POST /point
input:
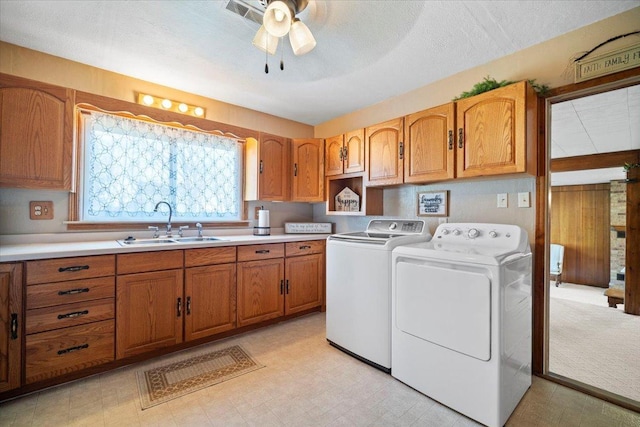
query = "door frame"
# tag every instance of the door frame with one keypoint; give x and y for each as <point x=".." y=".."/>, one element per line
<point x="540" y="333"/>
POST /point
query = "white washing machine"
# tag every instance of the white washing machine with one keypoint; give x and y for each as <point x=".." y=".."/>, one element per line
<point x="461" y="312"/>
<point x="359" y="287"/>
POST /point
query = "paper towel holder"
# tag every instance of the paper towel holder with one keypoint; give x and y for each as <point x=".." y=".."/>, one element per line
<point x="261" y="231"/>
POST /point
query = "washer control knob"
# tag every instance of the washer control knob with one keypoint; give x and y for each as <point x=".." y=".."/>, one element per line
<point x="493" y="234"/>
<point x="473" y="233"/>
<point x="393" y="226"/>
<point x="456" y="232"/>
<point x="445" y="231"/>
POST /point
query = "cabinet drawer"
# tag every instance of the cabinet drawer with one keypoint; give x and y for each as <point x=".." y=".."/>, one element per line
<point x="54" y="353"/>
<point x="48" y="295"/>
<point x="209" y="256"/>
<point x="149" y="261"/>
<point x="62" y="316"/>
<point x="258" y="252"/>
<point x="59" y="270"/>
<point x="304" y="248"/>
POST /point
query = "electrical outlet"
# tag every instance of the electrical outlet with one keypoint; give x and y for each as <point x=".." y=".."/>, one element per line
<point x="503" y="200"/>
<point x="40" y="210"/>
<point x="523" y="200"/>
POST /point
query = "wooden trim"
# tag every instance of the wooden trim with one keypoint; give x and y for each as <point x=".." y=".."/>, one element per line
<point x="598" y="85"/>
<point x="595" y="161"/>
<point x="539" y="291"/>
<point x="106" y="104"/>
<point x="85" y="226"/>
<point x="632" y="255"/>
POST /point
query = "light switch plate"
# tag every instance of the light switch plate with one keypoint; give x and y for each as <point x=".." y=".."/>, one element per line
<point x="523" y="200"/>
<point x="40" y="210"/>
<point x="503" y="200"/>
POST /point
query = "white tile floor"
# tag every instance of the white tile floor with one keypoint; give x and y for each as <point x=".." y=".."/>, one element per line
<point x="306" y="382"/>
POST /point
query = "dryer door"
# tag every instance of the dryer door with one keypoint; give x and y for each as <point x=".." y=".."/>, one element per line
<point x="447" y="305"/>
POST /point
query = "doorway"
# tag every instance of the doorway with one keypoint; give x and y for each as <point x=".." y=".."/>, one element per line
<point x="591" y="344"/>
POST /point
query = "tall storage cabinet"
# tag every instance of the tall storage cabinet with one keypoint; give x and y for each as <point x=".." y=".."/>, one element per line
<point x="11" y="325"/>
<point x="36" y="134"/>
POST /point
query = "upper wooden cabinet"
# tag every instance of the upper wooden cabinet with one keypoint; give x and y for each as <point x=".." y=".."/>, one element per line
<point x="345" y="153"/>
<point x="495" y="130"/>
<point x="308" y="166"/>
<point x="429" y="152"/>
<point x="385" y="153"/>
<point x="266" y="168"/>
<point x="36" y="134"/>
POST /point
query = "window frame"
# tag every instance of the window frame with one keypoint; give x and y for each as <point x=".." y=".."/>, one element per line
<point x="90" y="102"/>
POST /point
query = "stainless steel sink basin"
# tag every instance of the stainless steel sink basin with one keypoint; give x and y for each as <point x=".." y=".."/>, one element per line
<point x="196" y="239"/>
<point x="134" y="242"/>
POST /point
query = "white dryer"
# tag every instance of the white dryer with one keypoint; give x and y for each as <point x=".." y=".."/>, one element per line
<point x="461" y="313"/>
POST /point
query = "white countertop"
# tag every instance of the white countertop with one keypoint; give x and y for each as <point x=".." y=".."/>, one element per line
<point x="31" y="250"/>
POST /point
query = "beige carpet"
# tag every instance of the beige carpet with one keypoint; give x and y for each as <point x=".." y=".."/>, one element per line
<point x="194" y="371"/>
<point x="596" y="345"/>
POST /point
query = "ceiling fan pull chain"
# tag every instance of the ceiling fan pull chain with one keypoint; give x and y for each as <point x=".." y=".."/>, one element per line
<point x="281" y="55"/>
<point x="266" y="57"/>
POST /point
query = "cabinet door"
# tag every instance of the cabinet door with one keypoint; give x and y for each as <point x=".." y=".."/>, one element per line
<point x="333" y="155"/>
<point x="303" y="284"/>
<point x="149" y="311"/>
<point x="10" y="325"/>
<point x="210" y="300"/>
<point x="260" y="290"/>
<point x="36" y="142"/>
<point x="274" y="161"/>
<point x="429" y="149"/>
<point x="492" y="132"/>
<point x="385" y="153"/>
<point x="308" y="170"/>
<point x="353" y="151"/>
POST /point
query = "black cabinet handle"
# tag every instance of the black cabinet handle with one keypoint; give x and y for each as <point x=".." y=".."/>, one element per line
<point x="14" y="326"/>
<point x="261" y="167"/>
<point x="73" y="291"/>
<point x="73" y="268"/>
<point x="281" y="287"/>
<point x="401" y="150"/>
<point x="450" y="139"/>
<point x="179" y="307"/>
<point x="72" y="349"/>
<point x="341" y="155"/>
<point x="304" y="247"/>
<point x="263" y="251"/>
<point x="295" y="169"/>
<point x="460" y="138"/>
<point x="287" y="286"/>
<point x="188" y="306"/>
<point x="345" y="153"/>
<point x="73" y="314"/>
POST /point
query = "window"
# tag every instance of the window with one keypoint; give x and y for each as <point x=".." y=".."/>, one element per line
<point x="130" y="165"/>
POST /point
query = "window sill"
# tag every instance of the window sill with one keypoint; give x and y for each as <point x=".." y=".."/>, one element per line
<point x="98" y="226"/>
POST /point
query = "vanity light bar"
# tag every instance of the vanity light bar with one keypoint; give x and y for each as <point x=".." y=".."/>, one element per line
<point x="170" y="105"/>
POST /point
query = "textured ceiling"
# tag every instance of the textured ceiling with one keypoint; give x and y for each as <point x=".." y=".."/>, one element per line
<point x="367" y="51"/>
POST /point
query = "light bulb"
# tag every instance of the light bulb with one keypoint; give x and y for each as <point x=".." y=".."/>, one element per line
<point x="166" y="103"/>
<point x="183" y="108"/>
<point x="279" y="15"/>
<point x="147" y="99"/>
<point x="198" y="111"/>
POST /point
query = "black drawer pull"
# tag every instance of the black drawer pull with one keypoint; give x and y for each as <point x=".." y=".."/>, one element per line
<point x="281" y="287"/>
<point x="14" y="326"/>
<point x="188" y="305"/>
<point x="304" y="247"/>
<point x="72" y="349"/>
<point x="73" y="291"/>
<point x="263" y="251"/>
<point x="73" y="314"/>
<point x="73" y="268"/>
<point x="179" y="307"/>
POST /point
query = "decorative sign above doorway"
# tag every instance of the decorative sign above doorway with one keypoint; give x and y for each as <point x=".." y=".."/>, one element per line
<point x="609" y="63"/>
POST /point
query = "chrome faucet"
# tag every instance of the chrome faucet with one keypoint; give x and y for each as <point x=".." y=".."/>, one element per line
<point x="170" y="213"/>
<point x="199" y="227"/>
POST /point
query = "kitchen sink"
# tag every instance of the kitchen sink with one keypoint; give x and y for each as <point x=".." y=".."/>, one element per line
<point x="196" y="239"/>
<point x="134" y="242"/>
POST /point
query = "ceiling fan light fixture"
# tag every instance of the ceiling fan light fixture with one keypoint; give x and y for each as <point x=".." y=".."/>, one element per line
<point x="278" y="17"/>
<point x="265" y="41"/>
<point x="302" y="41"/>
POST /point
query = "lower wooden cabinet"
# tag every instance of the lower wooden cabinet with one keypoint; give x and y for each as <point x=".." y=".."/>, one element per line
<point x="149" y="309"/>
<point x="303" y="283"/>
<point x="260" y="290"/>
<point x="10" y="325"/>
<point x="210" y="300"/>
<point x="60" y="351"/>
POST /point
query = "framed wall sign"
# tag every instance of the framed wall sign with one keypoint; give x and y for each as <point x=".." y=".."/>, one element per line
<point x="433" y="203"/>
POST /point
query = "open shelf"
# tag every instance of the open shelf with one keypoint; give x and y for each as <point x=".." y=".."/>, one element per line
<point x="370" y="197"/>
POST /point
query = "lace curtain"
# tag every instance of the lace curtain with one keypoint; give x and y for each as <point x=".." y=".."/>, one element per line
<point x="130" y="165"/>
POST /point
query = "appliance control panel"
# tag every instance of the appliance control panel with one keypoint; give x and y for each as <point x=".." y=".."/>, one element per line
<point x="397" y="226"/>
<point x="495" y="235"/>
